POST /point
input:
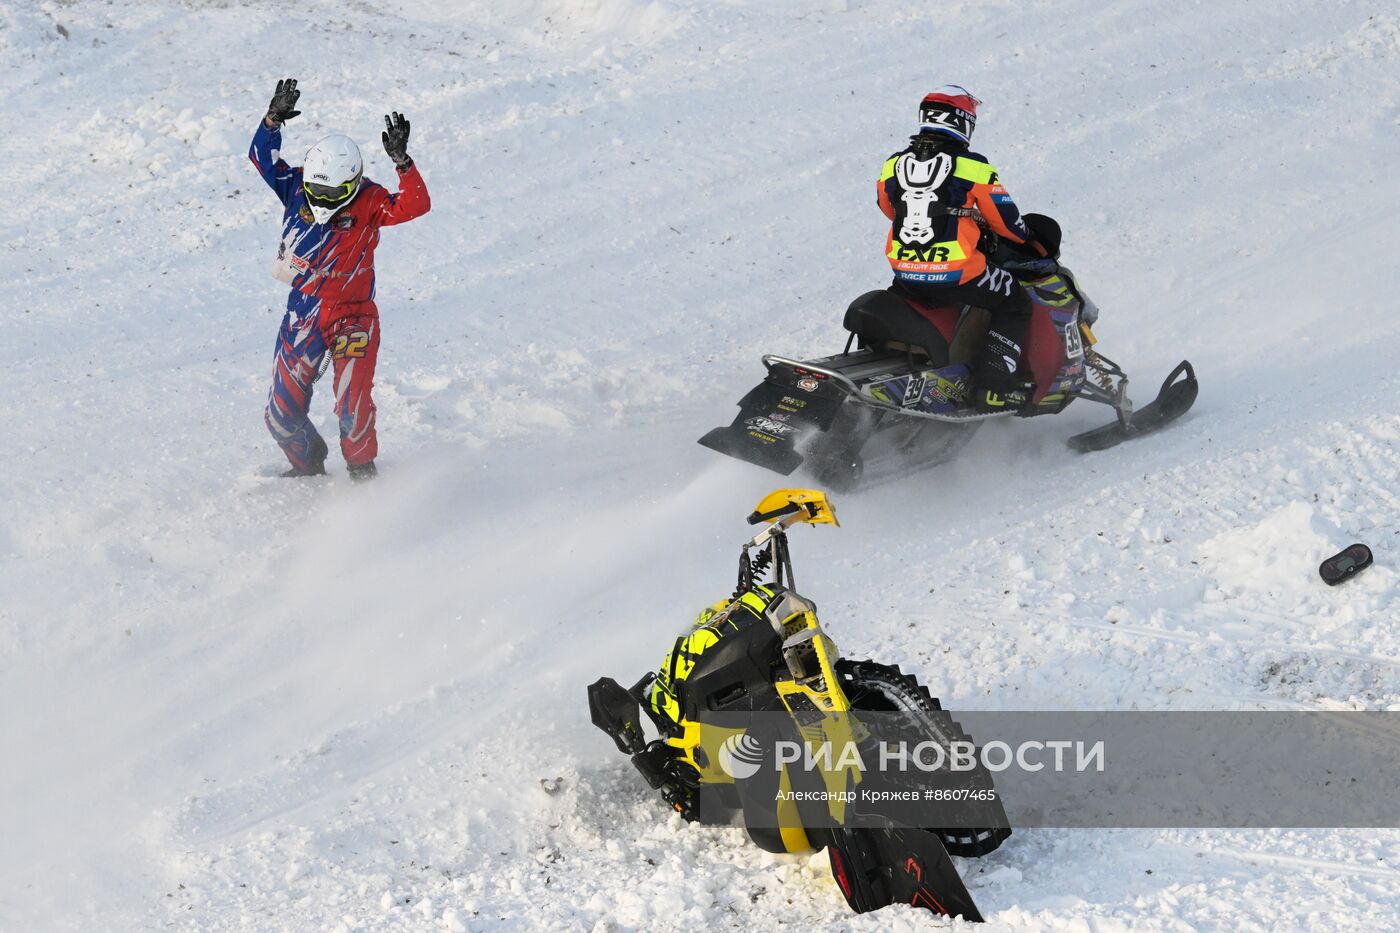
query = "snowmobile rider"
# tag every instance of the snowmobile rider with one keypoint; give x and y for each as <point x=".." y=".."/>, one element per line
<point x="330" y="226"/>
<point x="937" y="194"/>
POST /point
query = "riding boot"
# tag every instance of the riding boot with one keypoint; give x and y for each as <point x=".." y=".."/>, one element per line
<point x="998" y="386"/>
<point x="315" y="461"/>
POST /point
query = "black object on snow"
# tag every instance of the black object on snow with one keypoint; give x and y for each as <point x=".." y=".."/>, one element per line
<point x="1342" y="567"/>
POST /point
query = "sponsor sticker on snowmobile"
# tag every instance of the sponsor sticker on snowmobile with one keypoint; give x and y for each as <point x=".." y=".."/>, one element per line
<point x="947" y="391"/>
<point x="807" y="384"/>
<point x="1074" y="344"/>
<point x="915" y="392"/>
<point x="771" y="424"/>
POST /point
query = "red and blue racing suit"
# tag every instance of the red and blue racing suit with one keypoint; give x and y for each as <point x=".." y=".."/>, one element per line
<point x="331" y="306"/>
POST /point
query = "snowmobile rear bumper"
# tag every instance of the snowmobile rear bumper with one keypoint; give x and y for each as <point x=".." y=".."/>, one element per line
<point x="781" y="414"/>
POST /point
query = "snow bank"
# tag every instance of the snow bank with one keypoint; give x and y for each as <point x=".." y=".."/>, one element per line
<point x="1275" y="558"/>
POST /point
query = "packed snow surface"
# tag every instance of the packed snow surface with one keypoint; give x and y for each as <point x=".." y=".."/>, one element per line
<point x="229" y="702"/>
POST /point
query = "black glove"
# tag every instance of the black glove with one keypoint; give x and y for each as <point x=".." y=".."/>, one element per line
<point x="283" y="100"/>
<point x="395" y="138"/>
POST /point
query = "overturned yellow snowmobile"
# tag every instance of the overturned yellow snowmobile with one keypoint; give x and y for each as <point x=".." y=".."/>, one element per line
<point x="758" y="665"/>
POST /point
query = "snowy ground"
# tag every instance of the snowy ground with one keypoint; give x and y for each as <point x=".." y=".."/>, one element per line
<point x="233" y="703"/>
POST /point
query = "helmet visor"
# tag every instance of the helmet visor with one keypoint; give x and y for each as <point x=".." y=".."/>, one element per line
<point x="330" y="195"/>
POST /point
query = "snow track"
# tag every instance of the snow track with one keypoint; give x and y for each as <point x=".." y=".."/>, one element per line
<point x="233" y="703"/>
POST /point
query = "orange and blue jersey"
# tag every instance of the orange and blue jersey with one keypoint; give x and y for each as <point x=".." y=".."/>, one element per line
<point x="331" y="263"/>
<point x="936" y="198"/>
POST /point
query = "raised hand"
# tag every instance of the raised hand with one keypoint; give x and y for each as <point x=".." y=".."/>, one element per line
<point x="284" y="99"/>
<point x="395" y="138"/>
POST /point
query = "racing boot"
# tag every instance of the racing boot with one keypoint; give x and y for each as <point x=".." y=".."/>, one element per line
<point x="997" y="386"/>
<point x="362" y="472"/>
<point x="315" y="461"/>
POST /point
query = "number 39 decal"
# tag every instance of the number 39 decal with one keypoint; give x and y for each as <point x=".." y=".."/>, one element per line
<point x="1074" y="344"/>
<point x="350" y="346"/>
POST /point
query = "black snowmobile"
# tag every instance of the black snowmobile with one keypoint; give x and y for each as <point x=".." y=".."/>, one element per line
<point x="763" y="653"/>
<point x="896" y="399"/>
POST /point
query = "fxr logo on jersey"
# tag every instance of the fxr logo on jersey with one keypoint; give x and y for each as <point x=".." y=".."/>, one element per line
<point x="923" y="254"/>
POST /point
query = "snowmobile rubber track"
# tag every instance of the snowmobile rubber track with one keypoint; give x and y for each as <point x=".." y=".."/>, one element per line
<point x="905" y="693"/>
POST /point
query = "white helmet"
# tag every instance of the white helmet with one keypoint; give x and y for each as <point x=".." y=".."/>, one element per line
<point x="331" y="176"/>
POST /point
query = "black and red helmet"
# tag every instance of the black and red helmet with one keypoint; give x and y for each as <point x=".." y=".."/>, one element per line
<point x="952" y="110"/>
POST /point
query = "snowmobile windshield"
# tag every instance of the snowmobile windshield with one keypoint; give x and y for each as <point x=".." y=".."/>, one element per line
<point x="330" y="195"/>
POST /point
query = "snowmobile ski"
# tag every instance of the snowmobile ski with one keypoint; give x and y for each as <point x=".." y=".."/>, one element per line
<point x="879" y="867"/>
<point x="1173" y="400"/>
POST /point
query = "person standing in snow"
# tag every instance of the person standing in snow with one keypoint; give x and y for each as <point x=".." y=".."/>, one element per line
<point x="937" y="195"/>
<point x="330" y="226"/>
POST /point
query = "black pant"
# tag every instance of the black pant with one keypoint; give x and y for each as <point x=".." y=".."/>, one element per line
<point x="996" y="364"/>
<point x="996" y="290"/>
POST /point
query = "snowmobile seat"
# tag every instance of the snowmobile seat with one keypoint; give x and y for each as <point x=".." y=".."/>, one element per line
<point x="885" y="321"/>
